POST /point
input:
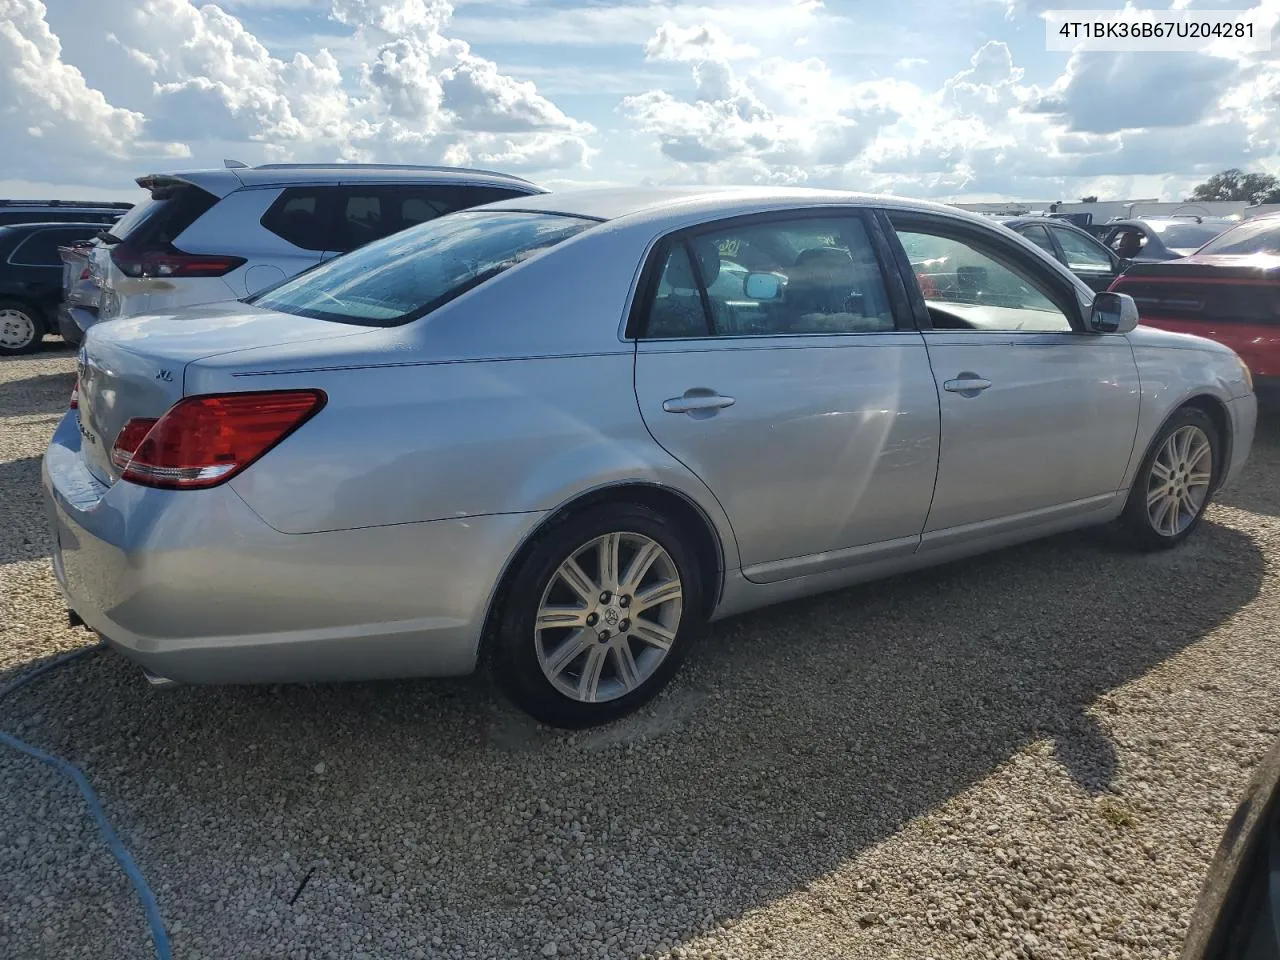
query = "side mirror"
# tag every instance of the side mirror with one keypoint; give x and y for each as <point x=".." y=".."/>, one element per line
<point x="1112" y="313"/>
<point x="762" y="286"/>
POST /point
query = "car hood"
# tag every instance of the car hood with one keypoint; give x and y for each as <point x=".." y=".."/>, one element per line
<point x="211" y="330"/>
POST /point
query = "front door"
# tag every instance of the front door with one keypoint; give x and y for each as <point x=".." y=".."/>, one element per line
<point x="1087" y="258"/>
<point x="772" y="362"/>
<point x="1038" y="417"/>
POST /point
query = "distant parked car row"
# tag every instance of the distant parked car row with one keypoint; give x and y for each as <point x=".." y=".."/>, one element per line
<point x="32" y="233"/>
<point x="1227" y="288"/>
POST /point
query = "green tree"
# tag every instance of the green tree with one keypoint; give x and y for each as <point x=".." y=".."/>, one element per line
<point x="1089" y="199"/>
<point x="1235" y="184"/>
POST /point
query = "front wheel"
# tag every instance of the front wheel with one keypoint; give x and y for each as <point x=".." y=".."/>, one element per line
<point x="1171" y="490"/>
<point x="598" y="616"/>
<point x="21" y="328"/>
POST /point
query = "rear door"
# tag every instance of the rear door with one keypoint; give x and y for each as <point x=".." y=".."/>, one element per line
<point x="776" y="361"/>
<point x="1038" y="417"/>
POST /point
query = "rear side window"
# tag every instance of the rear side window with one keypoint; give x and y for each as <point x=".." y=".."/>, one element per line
<point x="41" y="248"/>
<point x="154" y="224"/>
<point x="370" y="213"/>
<point x="405" y="276"/>
<point x="300" y="216"/>
<point x="810" y="275"/>
<point x="1185" y="236"/>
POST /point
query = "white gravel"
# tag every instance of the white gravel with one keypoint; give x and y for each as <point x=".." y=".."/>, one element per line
<point x="1030" y="755"/>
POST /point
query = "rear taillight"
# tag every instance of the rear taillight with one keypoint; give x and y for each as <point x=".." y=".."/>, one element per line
<point x="205" y="441"/>
<point x="172" y="263"/>
<point x="75" y="397"/>
<point x="84" y="274"/>
<point x="134" y="432"/>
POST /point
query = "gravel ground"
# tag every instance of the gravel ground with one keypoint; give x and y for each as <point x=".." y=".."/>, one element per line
<point x="1028" y="755"/>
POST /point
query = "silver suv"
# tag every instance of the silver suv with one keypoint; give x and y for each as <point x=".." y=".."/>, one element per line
<point x="213" y="235"/>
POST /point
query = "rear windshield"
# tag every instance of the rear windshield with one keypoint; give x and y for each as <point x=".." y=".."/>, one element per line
<point x="155" y="223"/>
<point x="1185" y="236"/>
<point x="1262" y="236"/>
<point x="408" y="274"/>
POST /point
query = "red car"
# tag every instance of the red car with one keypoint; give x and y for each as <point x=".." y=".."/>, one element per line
<point x="1228" y="290"/>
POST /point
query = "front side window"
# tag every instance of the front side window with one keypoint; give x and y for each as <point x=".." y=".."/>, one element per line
<point x="968" y="285"/>
<point x="811" y="275"/>
<point x="1082" y="253"/>
<point x="407" y="275"/>
<point x="1040" y="237"/>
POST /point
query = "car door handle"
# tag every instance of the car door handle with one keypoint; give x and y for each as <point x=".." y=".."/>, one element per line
<point x="969" y="384"/>
<point x="695" y="401"/>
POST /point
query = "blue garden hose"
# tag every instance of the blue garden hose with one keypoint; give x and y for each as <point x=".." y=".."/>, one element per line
<point x="158" y="935"/>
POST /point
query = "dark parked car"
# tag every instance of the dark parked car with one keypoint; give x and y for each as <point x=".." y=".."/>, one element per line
<point x="1238" y="914"/>
<point x="59" y="211"/>
<point x="1082" y="253"/>
<point x="1162" y="238"/>
<point x="1229" y="291"/>
<point x="31" y="280"/>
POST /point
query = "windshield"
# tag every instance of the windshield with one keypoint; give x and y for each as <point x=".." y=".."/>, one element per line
<point x="1185" y="236"/>
<point x="1261" y="236"/>
<point x="409" y="274"/>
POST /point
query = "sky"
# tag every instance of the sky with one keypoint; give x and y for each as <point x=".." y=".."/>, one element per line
<point x="956" y="101"/>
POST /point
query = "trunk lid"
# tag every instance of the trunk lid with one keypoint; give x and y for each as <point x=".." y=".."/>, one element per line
<point x="1205" y="289"/>
<point x="136" y="367"/>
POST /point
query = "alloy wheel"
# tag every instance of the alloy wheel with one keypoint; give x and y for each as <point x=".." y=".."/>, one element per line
<point x="608" y="617"/>
<point x="1178" y="483"/>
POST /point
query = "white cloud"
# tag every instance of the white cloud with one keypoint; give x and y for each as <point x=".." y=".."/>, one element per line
<point x="1172" y="116"/>
<point x="421" y="95"/>
<point x="39" y="92"/>
<point x="692" y="44"/>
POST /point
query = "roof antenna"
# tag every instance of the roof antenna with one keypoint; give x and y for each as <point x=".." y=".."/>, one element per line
<point x="234" y="164"/>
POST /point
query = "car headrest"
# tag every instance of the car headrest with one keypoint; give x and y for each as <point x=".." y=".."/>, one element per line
<point x="822" y="263"/>
<point x="680" y="275"/>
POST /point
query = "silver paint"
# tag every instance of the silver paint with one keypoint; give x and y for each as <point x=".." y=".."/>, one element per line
<point x="372" y="542"/>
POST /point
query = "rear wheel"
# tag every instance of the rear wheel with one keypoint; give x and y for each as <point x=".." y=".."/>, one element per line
<point x="1172" y="488"/>
<point x="598" y="616"/>
<point x="21" y="328"/>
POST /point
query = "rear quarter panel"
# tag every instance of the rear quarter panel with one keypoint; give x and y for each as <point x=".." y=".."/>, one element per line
<point x="516" y="397"/>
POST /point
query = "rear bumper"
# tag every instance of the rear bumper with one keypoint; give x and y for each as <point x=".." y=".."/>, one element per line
<point x="73" y="321"/>
<point x="194" y="586"/>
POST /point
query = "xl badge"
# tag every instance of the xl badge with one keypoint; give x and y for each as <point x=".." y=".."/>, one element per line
<point x="164" y="375"/>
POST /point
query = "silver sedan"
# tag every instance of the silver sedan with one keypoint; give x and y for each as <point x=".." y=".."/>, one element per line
<point x="558" y="434"/>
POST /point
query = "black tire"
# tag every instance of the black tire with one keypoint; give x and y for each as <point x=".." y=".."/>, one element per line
<point x="515" y="656"/>
<point x="37" y="325"/>
<point x="1136" y="519"/>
